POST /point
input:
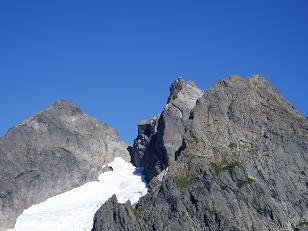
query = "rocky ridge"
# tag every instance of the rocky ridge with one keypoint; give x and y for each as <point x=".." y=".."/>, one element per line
<point x="54" y="151"/>
<point x="160" y="138"/>
<point x="233" y="158"/>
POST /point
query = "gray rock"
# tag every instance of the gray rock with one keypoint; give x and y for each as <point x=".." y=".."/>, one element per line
<point x="160" y="138"/>
<point x="107" y="169"/>
<point x="116" y="216"/>
<point x="146" y="129"/>
<point x="54" y="151"/>
<point x="242" y="165"/>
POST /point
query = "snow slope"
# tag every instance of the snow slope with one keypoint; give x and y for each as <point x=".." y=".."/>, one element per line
<point x="75" y="209"/>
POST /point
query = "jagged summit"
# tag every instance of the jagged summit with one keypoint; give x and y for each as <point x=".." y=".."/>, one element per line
<point x="175" y="87"/>
<point x="165" y="131"/>
<point x="186" y="91"/>
<point x="65" y="106"/>
<point x="234" y="158"/>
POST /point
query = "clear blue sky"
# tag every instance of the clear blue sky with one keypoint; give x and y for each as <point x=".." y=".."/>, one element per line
<point x="116" y="59"/>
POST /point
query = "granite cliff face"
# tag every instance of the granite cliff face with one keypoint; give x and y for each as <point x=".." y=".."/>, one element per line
<point x="54" y="151"/>
<point x="233" y="158"/>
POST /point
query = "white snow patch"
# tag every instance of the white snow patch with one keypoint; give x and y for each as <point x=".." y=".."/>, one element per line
<point x="75" y="209"/>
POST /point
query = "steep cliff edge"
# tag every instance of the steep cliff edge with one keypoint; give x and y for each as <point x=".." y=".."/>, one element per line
<point x="239" y="161"/>
<point x="54" y="151"/>
<point x="159" y="139"/>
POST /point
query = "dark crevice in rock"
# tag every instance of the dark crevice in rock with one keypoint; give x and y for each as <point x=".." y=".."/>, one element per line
<point x="180" y="150"/>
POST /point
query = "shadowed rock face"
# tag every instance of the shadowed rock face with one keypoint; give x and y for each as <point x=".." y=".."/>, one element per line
<point x="242" y="165"/>
<point x="54" y="151"/>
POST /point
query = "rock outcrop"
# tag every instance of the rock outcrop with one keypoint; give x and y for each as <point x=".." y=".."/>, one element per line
<point x="160" y="139"/>
<point x="237" y="159"/>
<point x="54" y="151"/>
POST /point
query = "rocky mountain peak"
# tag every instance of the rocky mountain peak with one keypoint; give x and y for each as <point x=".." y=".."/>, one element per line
<point x="232" y="158"/>
<point x="184" y="94"/>
<point x="236" y="82"/>
<point x="176" y="87"/>
<point x="239" y="161"/>
<point x="60" y="113"/>
<point x="54" y="151"/>
<point x="166" y="130"/>
<point x="64" y="106"/>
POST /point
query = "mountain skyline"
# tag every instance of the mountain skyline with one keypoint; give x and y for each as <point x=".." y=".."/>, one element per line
<point x="105" y="111"/>
<point x="238" y="142"/>
<point x="116" y="59"/>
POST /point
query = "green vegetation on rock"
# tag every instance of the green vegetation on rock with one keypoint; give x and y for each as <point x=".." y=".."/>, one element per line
<point x="135" y="211"/>
<point x="284" y="110"/>
<point x="298" y="118"/>
<point x="225" y="167"/>
<point x="232" y="145"/>
<point x="199" y="189"/>
<point x="182" y="181"/>
<point x="245" y="181"/>
<point x="303" y="224"/>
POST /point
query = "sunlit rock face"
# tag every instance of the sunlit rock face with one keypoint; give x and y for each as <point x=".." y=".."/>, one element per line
<point x="54" y="151"/>
<point x="242" y="164"/>
<point x="232" y="158"/>
<point x="160" y="138"/>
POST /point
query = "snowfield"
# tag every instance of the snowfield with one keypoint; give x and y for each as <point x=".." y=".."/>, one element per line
<point x="75" y="209"/>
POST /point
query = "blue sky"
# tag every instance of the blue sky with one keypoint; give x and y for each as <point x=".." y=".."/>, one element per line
<point x="116" y="59"/>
